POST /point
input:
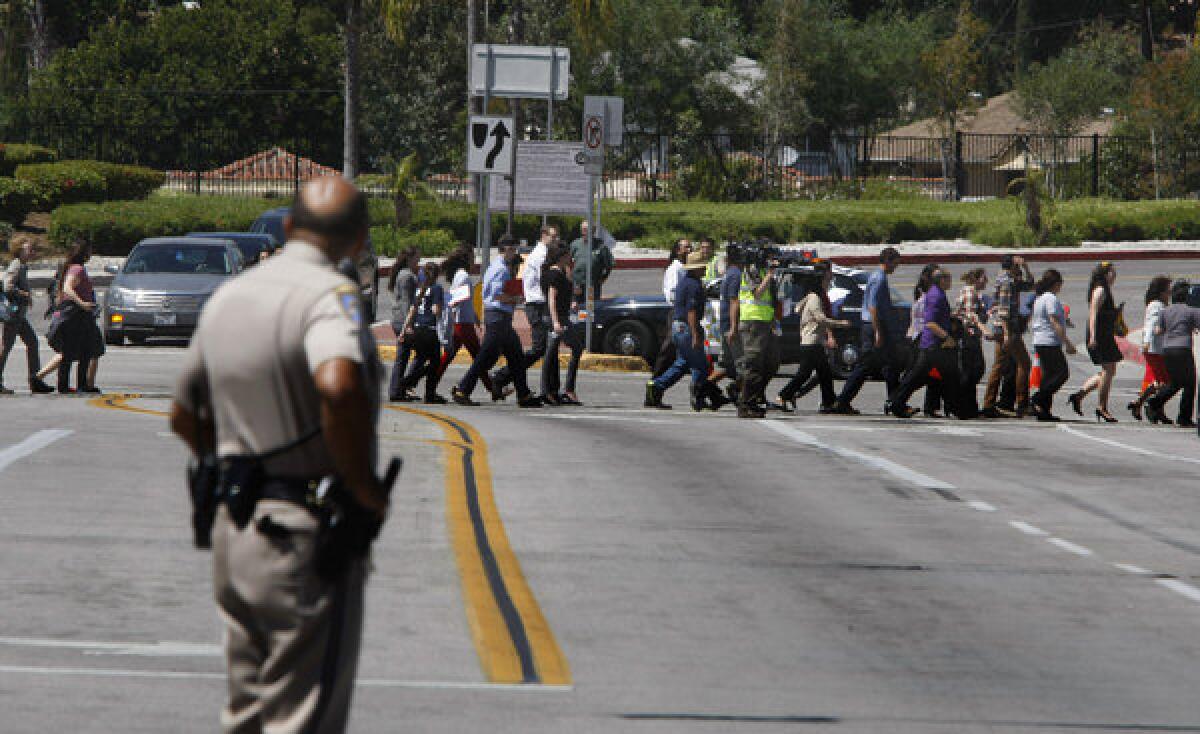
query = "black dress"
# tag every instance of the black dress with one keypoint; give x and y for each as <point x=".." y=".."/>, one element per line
<point x="1106" y="350"/>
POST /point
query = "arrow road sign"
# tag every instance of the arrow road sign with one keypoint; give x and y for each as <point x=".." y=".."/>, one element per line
<point x="490" y="145"/>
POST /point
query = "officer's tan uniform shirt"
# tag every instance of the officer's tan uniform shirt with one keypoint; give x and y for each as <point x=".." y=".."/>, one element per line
<point x="259" y="341"/>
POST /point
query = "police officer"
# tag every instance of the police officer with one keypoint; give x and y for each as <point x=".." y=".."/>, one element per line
<point x="279" y="363"/>
<point x="756" y="315"/>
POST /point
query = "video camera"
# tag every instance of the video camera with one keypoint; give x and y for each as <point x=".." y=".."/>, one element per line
<point x="764" y="254"/>
<point x="759" y="254"/>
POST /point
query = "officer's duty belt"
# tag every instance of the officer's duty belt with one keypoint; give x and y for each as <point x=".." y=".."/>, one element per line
<point x="297" y="491"/>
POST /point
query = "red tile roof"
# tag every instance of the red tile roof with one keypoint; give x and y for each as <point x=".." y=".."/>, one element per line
<point x="275" y="164"/>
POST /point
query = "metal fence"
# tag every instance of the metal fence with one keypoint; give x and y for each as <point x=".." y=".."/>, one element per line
<point x="962" y="167"/>
<point x="712" y="167"/>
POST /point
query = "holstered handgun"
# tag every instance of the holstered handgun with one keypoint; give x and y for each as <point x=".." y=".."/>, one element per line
<point x="347" y="528"/>
<point x="202" y="486"/>
<point x="203" y="475"/>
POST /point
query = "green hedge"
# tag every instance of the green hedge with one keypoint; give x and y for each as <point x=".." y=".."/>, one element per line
<point x="57" y="184"/>
<point x="17" y="154"/>
<point x="438" y="226"/>
<point x="17" y="199"/>
<point x="431" y="242"/>
<point x="75" y="182"/>
<point x="115" y="227"/>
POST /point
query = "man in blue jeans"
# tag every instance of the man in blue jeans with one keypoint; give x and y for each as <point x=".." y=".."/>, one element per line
<point x="498" y="334"/>
<point x="688" y="335"/>
<point x="882" y="339"/>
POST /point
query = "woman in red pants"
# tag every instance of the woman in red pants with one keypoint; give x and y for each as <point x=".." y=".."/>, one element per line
<point x="464" y="323"/>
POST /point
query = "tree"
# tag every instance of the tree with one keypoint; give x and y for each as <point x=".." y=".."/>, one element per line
<point x="949" y="75"/>
<point x="592" y="20"/>
<point x="396" y="15"/>
<point x="178" y="88"/>
<point x="830" y="73"/>
<point x="1063" y="95"/>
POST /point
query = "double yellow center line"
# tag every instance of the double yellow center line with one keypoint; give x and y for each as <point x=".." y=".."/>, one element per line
<point x="511" y="635"/>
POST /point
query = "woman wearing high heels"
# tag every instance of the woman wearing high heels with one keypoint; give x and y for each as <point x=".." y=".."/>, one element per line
<point x="1176" y="325"/>
<point x="1155" y="376"/>
<point x="1049" y="326"/>
<point x="815" y="322"/>
<point x="1101" y="341"/>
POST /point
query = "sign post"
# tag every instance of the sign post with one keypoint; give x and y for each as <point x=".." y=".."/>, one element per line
<point x="491" y="150"/>
<point x="516" y="72"/>
<point x="602" y="126"/>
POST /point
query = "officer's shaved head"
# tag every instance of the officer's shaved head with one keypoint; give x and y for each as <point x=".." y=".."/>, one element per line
<point x="331" y="212"/>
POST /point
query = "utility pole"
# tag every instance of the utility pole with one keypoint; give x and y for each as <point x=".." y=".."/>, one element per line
<point x="470" y="47"/>
<point x="475" y="187"/>
<point x="1147" y="32"/>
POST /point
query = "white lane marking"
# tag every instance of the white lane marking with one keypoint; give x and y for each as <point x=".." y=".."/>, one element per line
<point x="981" y="506"/>
<point x="365" y="683"/>
<point x="142" y="649"/>
<point x="1026" y="528"/>
<point x="1130" y="568"/>
<point x="31" y="445"/>
<point x="1070" y="547"/>
<point x="597" y="417"/>
<point x="1127" y="447"/>
<point x="886" y="466"/>
<point x="1181" y="588"/>
<point x="957" y="431"/>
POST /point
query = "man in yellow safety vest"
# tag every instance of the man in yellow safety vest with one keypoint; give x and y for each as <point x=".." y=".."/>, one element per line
<point x="758" y="310"/>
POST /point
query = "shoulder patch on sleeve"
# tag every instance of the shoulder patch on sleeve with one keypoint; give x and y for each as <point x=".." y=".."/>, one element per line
<point x="350" y="301"/>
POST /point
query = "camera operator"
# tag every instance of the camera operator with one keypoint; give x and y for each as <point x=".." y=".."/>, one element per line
<point x="758" y="310"/>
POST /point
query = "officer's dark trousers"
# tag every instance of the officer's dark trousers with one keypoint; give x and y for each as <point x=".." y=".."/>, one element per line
<point x="945" y="361"/>
<point x="427" y="361"/>
<point x="812" y="359"/>
<point x="760" y="358"/>
<point x="1181" y="368"/>
<point x="1054" y="375"/>
<point x="499" y="338"/>
<point x="884" y="361"/>
<point x="539" y="326"/>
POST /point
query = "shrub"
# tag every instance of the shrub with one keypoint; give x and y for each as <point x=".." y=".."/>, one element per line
<point x="17" y="199"/>
<point x="74" y="182"/>
<point x="431" y="242"/>
<point x="56" y="184"/>
<point x="17" y="154"/>
<point x="126" y="182"/>
<point x="113" y="228"/>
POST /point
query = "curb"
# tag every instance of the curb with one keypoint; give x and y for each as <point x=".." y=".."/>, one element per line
<point x="589" y="362"/>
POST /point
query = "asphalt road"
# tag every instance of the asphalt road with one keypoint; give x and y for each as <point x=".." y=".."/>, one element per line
<point x="695" y="572"/>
